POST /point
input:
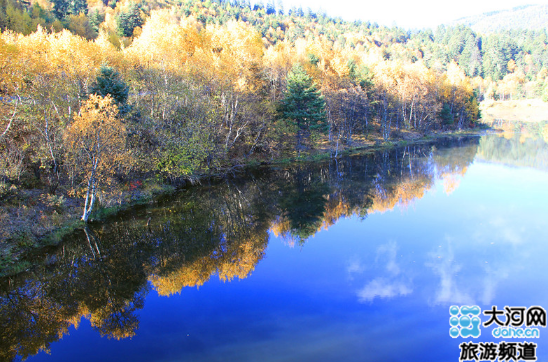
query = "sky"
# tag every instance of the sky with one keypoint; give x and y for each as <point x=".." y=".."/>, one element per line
<point x="411" y="14"/>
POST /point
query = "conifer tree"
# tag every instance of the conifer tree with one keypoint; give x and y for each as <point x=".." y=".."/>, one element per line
<point x="109" y="82"/>
<point x="78" y="6"/>
<point x="127" y="21"/>
<point x="303" y="105"/>
<point x="61" y="8"/>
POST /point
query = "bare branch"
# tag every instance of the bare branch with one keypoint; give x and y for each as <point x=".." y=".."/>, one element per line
<point x="11" y="119"/>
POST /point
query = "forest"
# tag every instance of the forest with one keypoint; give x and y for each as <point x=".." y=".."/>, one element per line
<point x="101" y="101"/>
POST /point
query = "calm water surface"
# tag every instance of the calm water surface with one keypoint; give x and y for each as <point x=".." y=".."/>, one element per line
<point x="357" y="259"/>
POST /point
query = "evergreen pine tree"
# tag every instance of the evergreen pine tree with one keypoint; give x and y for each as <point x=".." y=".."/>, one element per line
<point x="109" y="82"/>
<point x="78" y="6"/>
<point x="303" y="105"/>
<point x="95" y="19"/>
<point x="280" y="6"/>
<point x="446" y="115"/>
<point x="129" y="20"/>
<point x="61" y="8"/>
<point x="270" y="8"/>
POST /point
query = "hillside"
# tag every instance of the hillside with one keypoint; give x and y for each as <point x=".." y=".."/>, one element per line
<point x="505" y="64"/>
<point x="530" y="17"/>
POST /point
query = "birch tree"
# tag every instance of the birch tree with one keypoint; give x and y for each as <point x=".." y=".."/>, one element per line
<point x="96" y="140"/>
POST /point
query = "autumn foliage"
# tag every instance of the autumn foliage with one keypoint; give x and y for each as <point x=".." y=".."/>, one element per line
<point x="197" y="97"/>
<point x="95" y="144"/>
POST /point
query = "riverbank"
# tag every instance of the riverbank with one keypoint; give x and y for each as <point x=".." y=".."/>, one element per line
<point x="362" y="145"/>
<point x="32" y="219"/>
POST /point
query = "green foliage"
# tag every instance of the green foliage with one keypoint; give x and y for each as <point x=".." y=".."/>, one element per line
<point x="56" y="202"/>
<point x="497" y="51"/>
<point x="544" y="94"/>
<point x="183" y="158"/>
<point x="80" y="25"/>
<point x="485" y="55"/>
<point x="128" y="20"/>
<point x="95" y="19"/>
<point x="63" y="8"/>
<point x="303" y="105"/>
<point x="362" y="77"/>
<point x="7" y="190"/>
<point x="59" y="234"/>
<point x="530" y="17"/>
<point x="470" y="57"/>
<point x="22" y="19"/>
<point x="110" y="82"/>
<point x="446" y="115"/>
<point x="270" y="8"/>
<point x="78" y="6"/>
<point x="313" y="59"/>
<point x="60" y="8"/>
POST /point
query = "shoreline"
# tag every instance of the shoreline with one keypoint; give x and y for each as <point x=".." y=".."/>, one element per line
<point x="14" y="257"/>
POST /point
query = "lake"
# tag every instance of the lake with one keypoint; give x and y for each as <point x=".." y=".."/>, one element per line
<point x="354" y="259"/>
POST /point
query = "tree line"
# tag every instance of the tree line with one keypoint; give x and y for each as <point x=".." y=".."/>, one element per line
<point x="180" y="98"/>
<point x="519" y="54"/>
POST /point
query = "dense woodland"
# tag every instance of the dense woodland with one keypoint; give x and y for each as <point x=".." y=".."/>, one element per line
<point x="97" y="94"/>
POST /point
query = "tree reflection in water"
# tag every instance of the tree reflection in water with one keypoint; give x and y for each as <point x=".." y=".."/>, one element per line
<point x="103" y="273"/>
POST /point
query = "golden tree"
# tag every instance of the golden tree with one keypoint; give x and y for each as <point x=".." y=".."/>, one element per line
<point x="96" y="140"/>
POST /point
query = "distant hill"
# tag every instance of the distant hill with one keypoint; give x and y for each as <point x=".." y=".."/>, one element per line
<point x="532" y="17"/>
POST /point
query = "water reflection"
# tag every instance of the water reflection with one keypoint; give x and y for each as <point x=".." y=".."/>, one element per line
<point x="104" y="273"/>
<point x="389" y="282"/>
<point x="518" y="144"/>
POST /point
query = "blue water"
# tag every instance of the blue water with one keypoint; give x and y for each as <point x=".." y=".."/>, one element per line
<point x="373" y="289"/>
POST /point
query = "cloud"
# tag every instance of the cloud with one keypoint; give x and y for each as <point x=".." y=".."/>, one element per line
<point x="444" y="266"/>
<point x="383" y="288"/>
<point x="389" y="251"/>
<point x="392" y="284"/>
<point x="501" y="229"/>
<point x="354" y="267"/>
<point x="504" y="231"/>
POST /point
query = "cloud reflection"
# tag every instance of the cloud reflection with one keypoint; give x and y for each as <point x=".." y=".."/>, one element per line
<point x="389" y="250"/>
<point x="392" y="284"/>
<point x="383" y="288"/>
<point x="355" y="266"/>
<point x="444" y="265"/>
